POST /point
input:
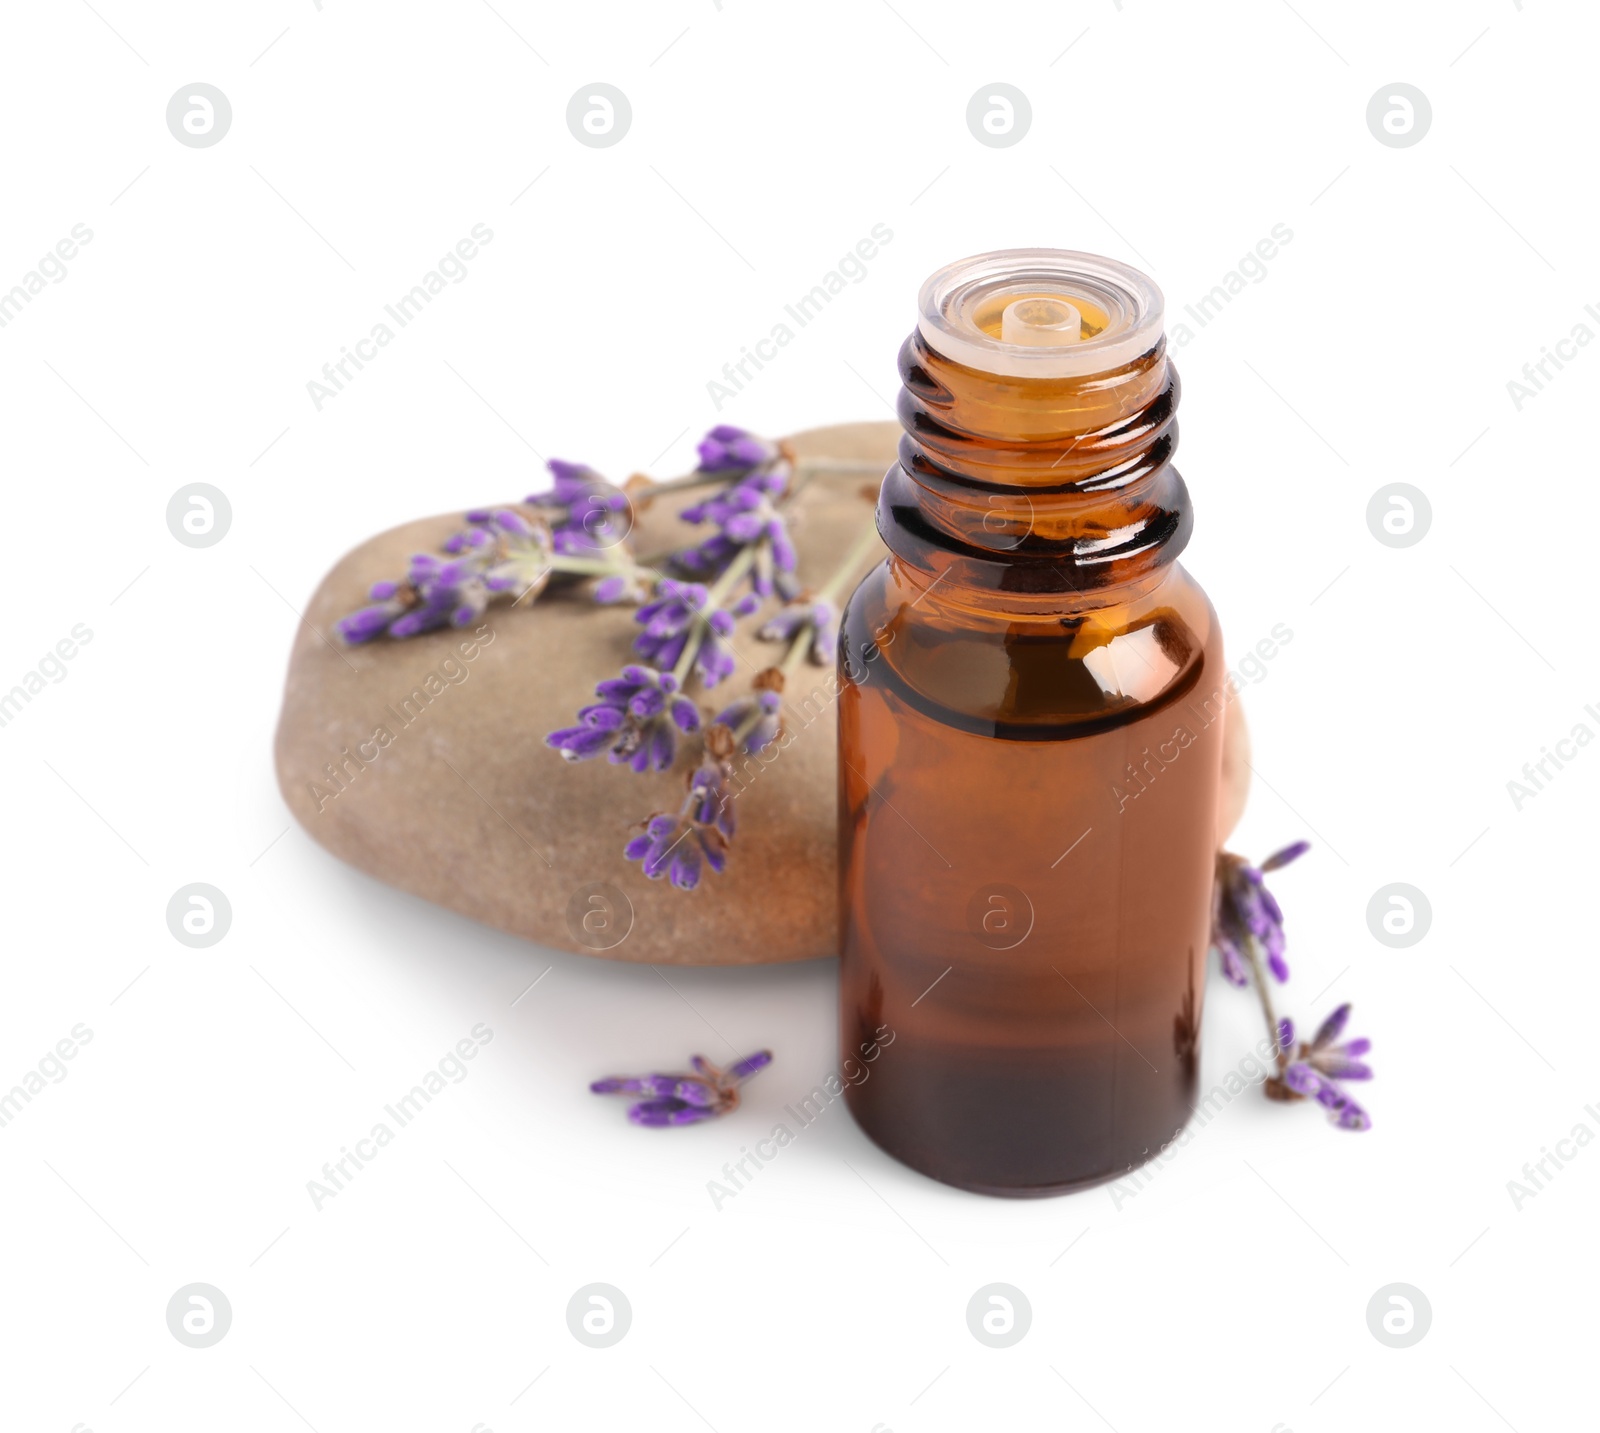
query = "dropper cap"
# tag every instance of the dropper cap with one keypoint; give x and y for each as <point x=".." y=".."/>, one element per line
<point x="1040" y="313"/>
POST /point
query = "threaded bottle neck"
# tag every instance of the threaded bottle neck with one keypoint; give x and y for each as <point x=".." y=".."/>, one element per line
<point x="1041" y="488"/>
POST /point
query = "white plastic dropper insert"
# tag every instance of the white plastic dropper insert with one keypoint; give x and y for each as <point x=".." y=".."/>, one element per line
<point x="1043" y="322"/>
<point x="1040" y="313"/>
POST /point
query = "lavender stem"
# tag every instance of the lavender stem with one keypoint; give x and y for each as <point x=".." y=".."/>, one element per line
<point x="731" y="576"/>
<point x="1274" y="1030"/>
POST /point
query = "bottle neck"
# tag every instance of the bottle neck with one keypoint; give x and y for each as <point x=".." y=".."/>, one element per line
<point x="1035" y="496"/>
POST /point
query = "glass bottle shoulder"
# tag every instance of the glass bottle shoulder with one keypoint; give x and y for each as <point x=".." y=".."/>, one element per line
<point x="1031" y="675"/>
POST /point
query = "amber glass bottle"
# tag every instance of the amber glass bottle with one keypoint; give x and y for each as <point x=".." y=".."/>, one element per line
<point x="1029" y="741"/>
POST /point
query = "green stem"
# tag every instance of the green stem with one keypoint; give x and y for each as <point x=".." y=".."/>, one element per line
<point x="687" y="480"/>
<point x="1252" y="950"/>
<point x="595" y="567"/>
<point x="747" y="726"/>
<point x="799" y="645"/>
<point x="731" y="576"/>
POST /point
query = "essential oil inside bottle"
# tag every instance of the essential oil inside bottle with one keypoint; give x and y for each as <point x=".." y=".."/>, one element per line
<point x="1029" y="740"/>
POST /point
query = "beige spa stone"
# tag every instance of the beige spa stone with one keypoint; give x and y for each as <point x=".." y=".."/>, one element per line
<point x="466" y="806"/>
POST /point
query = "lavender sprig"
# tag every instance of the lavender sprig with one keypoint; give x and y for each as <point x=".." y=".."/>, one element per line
<point x="499" y="553"/>
<point x="680" y="614"/>
<point x="684" y="625"/>
<point x="726" y="449"/>
<point x="754" y="721"/>
<point x="745" y="513"/>
<point x="1245" y="912"/>
<point x="810" y="626"/>
<point x="587" y="514"/>
<point x="577" y="532"/>
<point x="814" y="621"/>
<point x="1247" y="923"/>
<point x="677" y="844"/>
<point x="681" y="1099"/>
<point x="636" y="720"/>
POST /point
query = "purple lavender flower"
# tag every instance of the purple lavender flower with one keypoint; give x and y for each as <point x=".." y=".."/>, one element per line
<point x="746" y="515"/>
<point x="662" y="1114"/>
<point x="637" y="720"/>
<point x="726" y="449"/>
<point x="745" y="512"/>
<point x="499" y="551"/>
<point x="1317" y="1069"/>
<point x="668" y="621"/>
<point x="739" y="1070"/>
<point x="755" y="720"/>
<point x="587" y="513"/>
<point x="821" y="619"/>
<point x="520" y="561"/>
<point x="678" y="845"/>
<point x="676" y="617"/>
<point x="389" y="602"/>
<point x="685" y="1099"/>
<point x="450" y="594"/>
<point x="1245" y="911"/>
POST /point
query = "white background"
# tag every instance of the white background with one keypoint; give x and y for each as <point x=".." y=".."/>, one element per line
<point x="766" y="140"/>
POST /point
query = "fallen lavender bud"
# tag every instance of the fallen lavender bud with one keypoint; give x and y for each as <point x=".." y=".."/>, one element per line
<point x="739" y="1070"/>
<point x="662" y="1114"/>
<point x="681" y="1099"/>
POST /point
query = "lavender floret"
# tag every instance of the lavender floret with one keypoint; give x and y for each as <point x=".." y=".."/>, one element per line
<point x="745" y="512"/>
<point x="683" y="1098"/>
<point x="678" y="616"/>
<point x="1245" y="911"/>
<point x="1319" y="1067"/>
<point x="678" y="845"/>
<point x="588" y="514"/>
<point x="755" y="720"/>
<point x="726" y="449"/>
<point x="637" y="720"/>
<point x="500" y="551"/>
